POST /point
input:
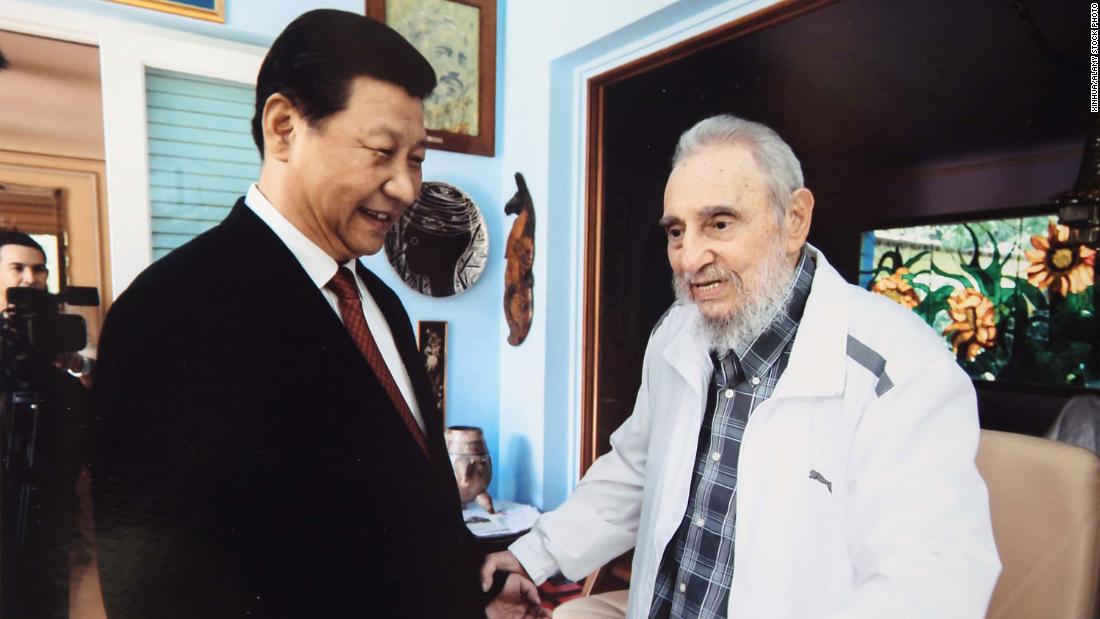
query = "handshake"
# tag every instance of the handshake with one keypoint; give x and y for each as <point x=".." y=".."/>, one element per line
<point x="519" y="598"/>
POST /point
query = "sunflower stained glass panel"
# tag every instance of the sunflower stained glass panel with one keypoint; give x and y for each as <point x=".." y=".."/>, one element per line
<point x="1011" y="298"/>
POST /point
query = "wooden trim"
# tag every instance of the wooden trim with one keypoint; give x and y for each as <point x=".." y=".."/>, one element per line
<point x="12" y="194"/>
<point x="765" y="18"/>
<point x="86" y="223"/>
<point x="1008" y="212"/>
<point x="589" y="586"/>
<point x="1061" y="391"/>
<point x="592" y="281"/>
<point x="484" y="143"/>
<point x="38" y="210"/>
<point x="64" y="240"/>
<point x="956" y="168"/>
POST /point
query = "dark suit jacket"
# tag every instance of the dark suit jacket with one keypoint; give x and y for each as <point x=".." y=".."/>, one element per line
<point x="247" y="462"/>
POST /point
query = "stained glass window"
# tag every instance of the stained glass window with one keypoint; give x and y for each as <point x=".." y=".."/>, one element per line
<point x="1010" y="298"/>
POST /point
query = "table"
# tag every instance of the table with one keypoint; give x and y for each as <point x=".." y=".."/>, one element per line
<point x="495" y="532"/>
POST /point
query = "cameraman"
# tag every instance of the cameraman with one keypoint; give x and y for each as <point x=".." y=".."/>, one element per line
<point x="43" y="423"/>
<point x="23" y="265"/>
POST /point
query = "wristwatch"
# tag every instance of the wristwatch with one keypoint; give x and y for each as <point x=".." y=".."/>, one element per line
<point x="85" y="367"/>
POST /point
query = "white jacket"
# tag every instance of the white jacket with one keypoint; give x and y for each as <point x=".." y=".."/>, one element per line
<point x="904" y="530"/>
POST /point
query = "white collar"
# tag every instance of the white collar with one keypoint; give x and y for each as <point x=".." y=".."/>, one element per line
<point x="818" y="357"/>
<point x="318" y="265"/>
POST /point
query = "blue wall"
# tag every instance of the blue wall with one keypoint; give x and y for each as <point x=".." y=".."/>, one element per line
<point x="473" y="317"/>
<point x="559" y="433"/>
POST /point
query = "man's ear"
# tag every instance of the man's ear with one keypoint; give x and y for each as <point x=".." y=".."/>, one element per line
<point x="281" y="121"/>
<point x="799" y="214"/>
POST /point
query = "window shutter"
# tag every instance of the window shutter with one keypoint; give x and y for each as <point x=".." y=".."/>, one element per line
<point x="201" y="154"/>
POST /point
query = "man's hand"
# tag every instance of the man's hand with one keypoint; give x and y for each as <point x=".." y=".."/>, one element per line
<point x="71" y="361"/>
<point x="76" y="364"/>
<point x="519" y="599"/>
<point x="503" y="561"/>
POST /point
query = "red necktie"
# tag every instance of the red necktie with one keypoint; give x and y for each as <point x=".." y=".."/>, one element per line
<point x="351" y="308"/>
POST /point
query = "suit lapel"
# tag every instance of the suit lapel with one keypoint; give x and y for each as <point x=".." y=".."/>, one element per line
<point x="279" y="282"/>
<point x="400" y="327"/>
<point x="308" y="321"/>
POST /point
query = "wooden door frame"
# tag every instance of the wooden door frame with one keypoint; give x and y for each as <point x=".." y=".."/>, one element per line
<point x="593" y="242"/>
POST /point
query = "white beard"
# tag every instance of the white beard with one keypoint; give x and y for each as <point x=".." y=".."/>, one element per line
<point x="762" y="298"/>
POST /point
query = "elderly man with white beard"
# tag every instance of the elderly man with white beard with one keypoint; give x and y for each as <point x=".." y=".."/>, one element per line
<point x="798" y="448"/>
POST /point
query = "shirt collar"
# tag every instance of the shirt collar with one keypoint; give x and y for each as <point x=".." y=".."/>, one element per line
<point x="318" y="265"/>
<point x="771" y="342"/>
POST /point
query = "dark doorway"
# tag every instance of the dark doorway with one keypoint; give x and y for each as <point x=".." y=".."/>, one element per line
<point x="871" y="95"/>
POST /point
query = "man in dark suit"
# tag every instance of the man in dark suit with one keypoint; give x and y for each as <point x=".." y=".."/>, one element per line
<point x="284" y="457"/>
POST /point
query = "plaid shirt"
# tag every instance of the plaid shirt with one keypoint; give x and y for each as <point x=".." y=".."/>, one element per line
<point x="697" y="567"/>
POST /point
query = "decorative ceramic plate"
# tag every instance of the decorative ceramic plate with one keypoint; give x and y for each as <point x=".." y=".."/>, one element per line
<point x="440" y="245"/>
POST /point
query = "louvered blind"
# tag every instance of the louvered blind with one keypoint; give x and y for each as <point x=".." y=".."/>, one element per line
<point x="201" y="154"/>
<point x="35" y="210"/>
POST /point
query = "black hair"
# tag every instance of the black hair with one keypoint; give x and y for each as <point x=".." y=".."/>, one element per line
<point x="15" y="237"/>
<point x="314" y="60"/>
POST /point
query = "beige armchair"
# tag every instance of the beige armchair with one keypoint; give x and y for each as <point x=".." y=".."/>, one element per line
<point x="1045" y="501"/>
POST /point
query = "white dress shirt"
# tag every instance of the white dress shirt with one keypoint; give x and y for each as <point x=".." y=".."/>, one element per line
<point x="321" y="267"/>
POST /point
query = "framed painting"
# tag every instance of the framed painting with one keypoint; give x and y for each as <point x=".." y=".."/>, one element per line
<point x="458" y="37"/>
<point x="210" y="10"/>
<point x="432" y="340"/>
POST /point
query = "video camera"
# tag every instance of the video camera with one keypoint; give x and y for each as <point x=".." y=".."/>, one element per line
<point x="33" y="329"/>
<point x="42" y="422"/>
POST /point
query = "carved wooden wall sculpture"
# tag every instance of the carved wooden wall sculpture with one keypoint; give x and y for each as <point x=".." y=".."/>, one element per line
<point x="519" y="282"/>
